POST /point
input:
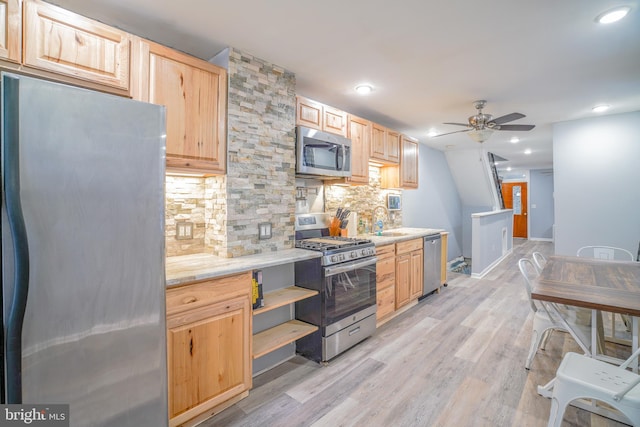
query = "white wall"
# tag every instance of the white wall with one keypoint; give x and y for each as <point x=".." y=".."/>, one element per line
<point x="596" y="174"/>
<point x="435" y="204"/>
<point x="541" y="204"/>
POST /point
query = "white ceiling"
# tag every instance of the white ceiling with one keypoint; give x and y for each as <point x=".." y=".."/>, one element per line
<point x="428" y="60"/>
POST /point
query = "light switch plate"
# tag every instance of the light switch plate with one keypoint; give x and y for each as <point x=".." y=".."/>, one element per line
<point x="264" y="230"/>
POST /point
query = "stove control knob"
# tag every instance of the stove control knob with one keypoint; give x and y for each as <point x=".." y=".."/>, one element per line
<point x="334" y="258"/>
<point x="354" y="254"/>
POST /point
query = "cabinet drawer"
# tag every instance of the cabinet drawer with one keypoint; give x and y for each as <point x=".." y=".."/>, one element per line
<point x="385" y="251"/>
<point x="196" y="295"/>
<point x="386" y="299"/>
<point x="385" y="272"/>
<point x="408" y="246"/>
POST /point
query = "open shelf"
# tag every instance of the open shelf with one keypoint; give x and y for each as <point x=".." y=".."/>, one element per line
<point x="282" y="297"/>
<point x="273" y="338"/>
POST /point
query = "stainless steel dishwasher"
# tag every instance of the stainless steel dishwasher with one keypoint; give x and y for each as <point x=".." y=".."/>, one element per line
<point x="432" y="256"/>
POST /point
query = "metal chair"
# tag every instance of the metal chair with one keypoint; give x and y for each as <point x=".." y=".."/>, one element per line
<point x="609" y="253"/>
<point x="581" y="377"/>
<point x="549" y="317"/>
<point x="605" y="252"/>
<point x="539" y="260"/>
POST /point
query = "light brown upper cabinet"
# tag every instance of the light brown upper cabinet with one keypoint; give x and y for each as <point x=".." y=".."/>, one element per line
<point x="405" y="175"/>
<point x="65" y="43"/>
<point x="359" y="133"/>
<point x="10" y="30"/>
<point x="385" y="145"/>
<point x="315" y="115"/>
<point x="409" y="163"/>
<point x="195" y="94"/>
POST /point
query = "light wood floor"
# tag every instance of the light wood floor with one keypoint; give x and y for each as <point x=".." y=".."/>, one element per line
<point x="456" y="359"/>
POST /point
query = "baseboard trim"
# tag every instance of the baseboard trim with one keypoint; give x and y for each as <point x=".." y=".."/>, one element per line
<point x="490" y="267"/>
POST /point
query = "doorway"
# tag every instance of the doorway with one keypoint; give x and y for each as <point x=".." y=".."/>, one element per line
<point x="514" y="195"/>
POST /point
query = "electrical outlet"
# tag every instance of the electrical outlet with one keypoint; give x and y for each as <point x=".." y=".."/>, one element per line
<point x="264" y="230"/>
<point x="184" y="230"/>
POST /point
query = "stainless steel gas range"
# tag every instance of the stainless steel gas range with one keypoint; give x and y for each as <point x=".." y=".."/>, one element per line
<point x="345" y="277"/>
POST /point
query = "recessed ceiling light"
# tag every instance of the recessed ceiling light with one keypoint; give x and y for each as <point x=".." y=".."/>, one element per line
<point x="509" y="169"/>
<point x="613" y="15"/>
<point x="432" y="133"/>
<point x="364" y="89"/>
<point x="514" y="139"/>
<point x="600" y="108"/>
<point x="527" y="151"/>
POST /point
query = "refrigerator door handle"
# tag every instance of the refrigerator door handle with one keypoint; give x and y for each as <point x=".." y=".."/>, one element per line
<point x="13" y="340"/>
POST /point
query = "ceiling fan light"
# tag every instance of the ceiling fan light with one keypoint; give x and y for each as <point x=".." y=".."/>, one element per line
<point x="514" y="140"/>
<point x="613" y="15"/>
<point x="480" y="135"/>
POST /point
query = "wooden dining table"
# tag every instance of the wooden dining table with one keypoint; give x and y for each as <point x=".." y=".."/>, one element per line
<point x="605" y="285"/>
<point x="600" y="285"/>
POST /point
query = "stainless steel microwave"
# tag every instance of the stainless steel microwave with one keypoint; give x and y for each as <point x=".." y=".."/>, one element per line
<point x="322" y="154"/>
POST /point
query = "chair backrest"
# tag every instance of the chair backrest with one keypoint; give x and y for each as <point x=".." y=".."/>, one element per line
<point x="539" y="261"/>
<point x="529" y="272"/>
<point x="605" y="252"/>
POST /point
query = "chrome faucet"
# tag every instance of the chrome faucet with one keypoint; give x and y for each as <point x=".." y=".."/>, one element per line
<point x="374" y="217"/>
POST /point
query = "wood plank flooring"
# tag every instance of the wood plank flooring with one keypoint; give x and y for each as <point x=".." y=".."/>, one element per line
<point x="456" y="359"/>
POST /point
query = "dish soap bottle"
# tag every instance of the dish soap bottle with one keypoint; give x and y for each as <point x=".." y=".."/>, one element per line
<point x="379" y="225"/>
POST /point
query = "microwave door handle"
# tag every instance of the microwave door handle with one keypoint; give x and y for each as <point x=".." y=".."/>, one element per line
<point x="340" y="157"/>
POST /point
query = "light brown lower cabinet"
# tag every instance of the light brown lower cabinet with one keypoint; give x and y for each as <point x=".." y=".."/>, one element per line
<point x="443" y="257"/>
<point x="409" y="270"/>
<point x="385" y="280"/>
<point x="209" y="342"/>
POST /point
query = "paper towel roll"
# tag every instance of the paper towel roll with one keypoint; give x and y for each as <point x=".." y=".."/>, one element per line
<point x="352" y="227"/>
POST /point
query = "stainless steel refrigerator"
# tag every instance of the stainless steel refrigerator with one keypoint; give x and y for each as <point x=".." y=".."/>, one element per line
<point x="83" y="285"/>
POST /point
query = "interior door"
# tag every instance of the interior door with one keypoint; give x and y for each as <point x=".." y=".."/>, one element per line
<point x="515" y="197"/>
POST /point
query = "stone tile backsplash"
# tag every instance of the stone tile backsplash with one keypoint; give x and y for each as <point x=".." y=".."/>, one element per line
<point x="363" y="199"/>
<point x="260" y="184"/>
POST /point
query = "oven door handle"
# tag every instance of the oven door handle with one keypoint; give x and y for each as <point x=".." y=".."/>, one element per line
<point x="348" y="266"/>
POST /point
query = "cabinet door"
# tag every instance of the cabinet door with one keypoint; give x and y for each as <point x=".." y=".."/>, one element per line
<point x="378" y="142"/>
<point x="359" y="133"/>
<point x="403" y="279"/>
<point x="10" y="30"/>
<point x="309" y="113"/>
<point x="417" y="268"/>
<point x="334" y="121"/>
<point x="392" y="146"/>
<point x="209" y="357"/>
<point x="194" y="92"/>
<point x="409" y="163"/>
<point x="66" y="43"/>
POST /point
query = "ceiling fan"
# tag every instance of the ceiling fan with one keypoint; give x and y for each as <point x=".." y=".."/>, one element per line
<point x="481" y="126"/>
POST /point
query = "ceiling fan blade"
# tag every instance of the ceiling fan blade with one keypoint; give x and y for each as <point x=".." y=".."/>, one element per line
<point x="458" y="124"/>
<point x="449" y="133"/>
<point x="507" y="118"/>
<point x="516" y="127"/>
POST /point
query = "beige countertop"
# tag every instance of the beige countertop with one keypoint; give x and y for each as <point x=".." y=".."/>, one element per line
<point x="192" y="268"/>
<point x="400" y="234"/>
